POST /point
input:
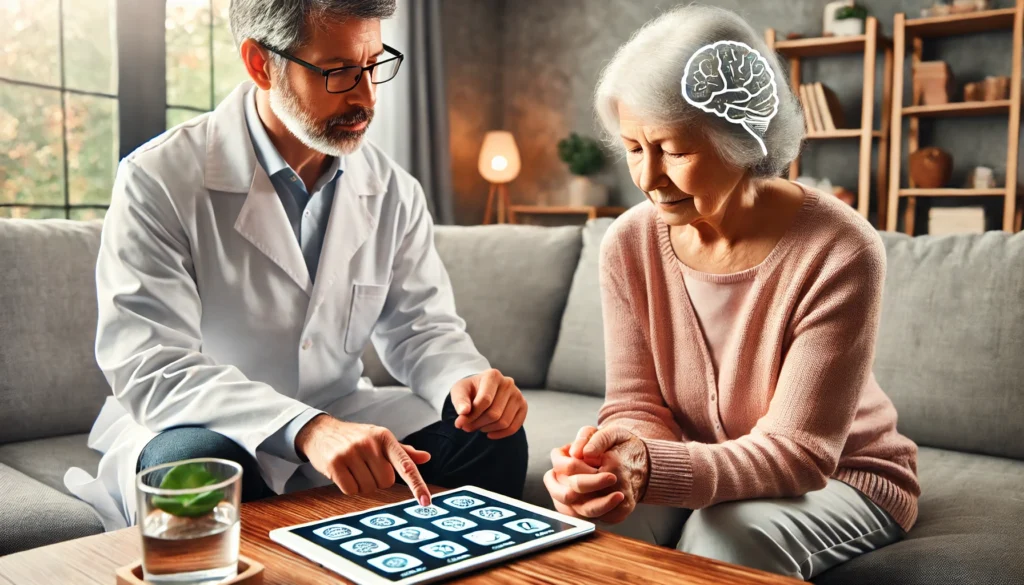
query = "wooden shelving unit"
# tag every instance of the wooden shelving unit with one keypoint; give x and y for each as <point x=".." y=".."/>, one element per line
<point x="869" y="44"/>
<point x="915" y="31"/>
<point x="959" y="109"/>
<point x="842" y="133"/>
<point x="952" y="192"/>
<point x="591" y="212"/>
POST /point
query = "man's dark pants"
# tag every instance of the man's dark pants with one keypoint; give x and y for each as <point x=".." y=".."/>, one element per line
<point x="457" y="458"/>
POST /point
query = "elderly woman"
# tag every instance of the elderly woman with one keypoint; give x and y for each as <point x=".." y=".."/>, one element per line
<point x="740" y="315"/>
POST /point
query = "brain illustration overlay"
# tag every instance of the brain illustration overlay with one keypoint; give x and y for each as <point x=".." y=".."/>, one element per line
<point x="733" y="81"/>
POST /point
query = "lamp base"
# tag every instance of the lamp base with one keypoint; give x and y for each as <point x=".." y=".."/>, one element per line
<point x="498" y="191"/>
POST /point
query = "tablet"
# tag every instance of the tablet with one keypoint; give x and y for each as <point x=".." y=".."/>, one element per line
<point x="404" y="543"/>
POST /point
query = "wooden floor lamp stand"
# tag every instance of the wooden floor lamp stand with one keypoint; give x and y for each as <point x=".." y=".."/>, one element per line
<point x="499" y="191"/>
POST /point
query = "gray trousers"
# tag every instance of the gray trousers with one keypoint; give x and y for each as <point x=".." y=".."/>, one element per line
<point x="797" y="537"/>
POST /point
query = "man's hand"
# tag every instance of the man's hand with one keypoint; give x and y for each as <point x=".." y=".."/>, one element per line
<point x="602" y="475"/>
<point x="489" y="403"/>
<point x="359" y="458"/>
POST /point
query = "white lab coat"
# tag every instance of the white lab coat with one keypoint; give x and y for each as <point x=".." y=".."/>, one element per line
<point x="207" y="316"/>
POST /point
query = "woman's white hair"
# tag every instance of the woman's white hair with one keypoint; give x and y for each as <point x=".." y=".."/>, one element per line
<point x="645" y="75"/>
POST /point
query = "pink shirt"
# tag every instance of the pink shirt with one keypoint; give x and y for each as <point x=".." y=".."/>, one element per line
<point x="718" y="300"/>
<point x="794" y="401"/>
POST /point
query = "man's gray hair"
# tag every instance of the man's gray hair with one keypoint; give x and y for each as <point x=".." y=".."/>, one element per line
<point x="282" y="24"/>
<point x="645" y="75"/>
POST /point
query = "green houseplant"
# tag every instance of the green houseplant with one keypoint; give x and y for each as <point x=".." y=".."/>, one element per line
<point x="584" y="158"/>
<point x="850" y="20"/>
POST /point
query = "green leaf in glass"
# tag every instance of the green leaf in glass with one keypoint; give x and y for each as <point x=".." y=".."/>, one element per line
<point x="183" y="477"/>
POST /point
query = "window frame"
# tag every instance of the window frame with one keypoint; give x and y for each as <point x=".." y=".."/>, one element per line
<point x="63" y="91"/>
<point x="141" y="86"/>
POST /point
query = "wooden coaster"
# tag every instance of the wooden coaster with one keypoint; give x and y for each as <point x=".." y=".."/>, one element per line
<point x="249" y="573"/>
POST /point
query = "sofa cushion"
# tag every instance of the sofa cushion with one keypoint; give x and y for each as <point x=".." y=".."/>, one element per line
<point x="32" y="514"/>
<point x="553" y="421"/>
<point x="968" y="530"/>
<point x="49" y="381"/>
<point x="46" y="460"/>
<point x="510" y="284"/>
<point x="951" y="340"/>
<point x="578" y="363"/>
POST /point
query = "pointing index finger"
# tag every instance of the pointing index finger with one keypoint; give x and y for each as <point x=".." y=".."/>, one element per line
<point x="406" y="469"/>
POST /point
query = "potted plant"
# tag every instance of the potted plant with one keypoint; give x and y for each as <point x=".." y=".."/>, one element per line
<point x="584" y="157"/>
<point x="850" y="21"/>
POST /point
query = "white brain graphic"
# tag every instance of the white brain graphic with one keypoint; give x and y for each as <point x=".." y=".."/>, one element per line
<point x="733" y="81"/>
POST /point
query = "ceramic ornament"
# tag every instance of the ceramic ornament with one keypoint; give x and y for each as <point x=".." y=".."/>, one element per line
<point x="733" y="81"/>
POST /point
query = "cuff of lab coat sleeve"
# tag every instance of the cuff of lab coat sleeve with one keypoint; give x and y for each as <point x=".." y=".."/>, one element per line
<point x="282" y="443"/>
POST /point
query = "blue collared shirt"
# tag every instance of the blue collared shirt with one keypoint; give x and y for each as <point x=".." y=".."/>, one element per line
<point x="308" y="215"/>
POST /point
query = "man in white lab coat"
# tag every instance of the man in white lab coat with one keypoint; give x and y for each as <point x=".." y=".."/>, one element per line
<point x="247" y="259"/>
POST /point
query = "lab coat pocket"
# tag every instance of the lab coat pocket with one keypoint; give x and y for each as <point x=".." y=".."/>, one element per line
<point x="367" y="303"/>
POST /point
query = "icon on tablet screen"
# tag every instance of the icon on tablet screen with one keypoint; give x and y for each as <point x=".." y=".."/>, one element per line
<point x="381" y="521"/>
<point x="395" y="562"/>
<point x="463" y="502"/>
<point x="527" y="526"/>
<point x="443" y="549"/>
<point x="487" y="537"/>
<point x="365" y="546"/>
<point x="337" y="532"/>
<point x="454" y="524"/>
<point x="412" y="534"/>
<point x="493" y="513"/>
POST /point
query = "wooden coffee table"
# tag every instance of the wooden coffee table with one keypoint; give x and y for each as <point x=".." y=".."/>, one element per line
<point x="599" y="558"/>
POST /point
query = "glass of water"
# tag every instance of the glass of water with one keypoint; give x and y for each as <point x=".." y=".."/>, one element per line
<point x="188" y="516"/>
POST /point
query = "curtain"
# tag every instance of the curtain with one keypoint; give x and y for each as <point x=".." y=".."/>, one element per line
<point x="411" y="118"/>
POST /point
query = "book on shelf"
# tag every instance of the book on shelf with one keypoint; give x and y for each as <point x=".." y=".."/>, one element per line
<point x="829" y="106"/>
<point x="812" y="104"/>
<point x="808" y="120"/>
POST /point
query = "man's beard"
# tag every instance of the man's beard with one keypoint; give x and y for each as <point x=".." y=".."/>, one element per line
<point x="327" y="137"/>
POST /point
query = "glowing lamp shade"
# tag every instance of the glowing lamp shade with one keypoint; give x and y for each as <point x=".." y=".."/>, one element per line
<point x="499" y="157"/>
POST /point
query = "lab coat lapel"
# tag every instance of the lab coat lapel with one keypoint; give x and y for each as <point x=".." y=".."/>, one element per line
<point x="349" y="226"/>
<point x="264" y="223"/>
<point x="232" y="167"/>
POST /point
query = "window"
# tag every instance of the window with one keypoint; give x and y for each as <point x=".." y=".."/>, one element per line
<point x="203" y="66"/>
<point x="59" y="137"/>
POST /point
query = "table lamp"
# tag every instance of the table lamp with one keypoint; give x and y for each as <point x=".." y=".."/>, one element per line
<point x="499" y="164"/>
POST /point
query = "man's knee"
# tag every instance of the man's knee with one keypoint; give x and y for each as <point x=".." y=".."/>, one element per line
<point x="515" y="448"/>
<point x="191" y="443"/>
<point x="740" y="533"/>
<point x="512" y="453"/>
<point x="500" y="465"/>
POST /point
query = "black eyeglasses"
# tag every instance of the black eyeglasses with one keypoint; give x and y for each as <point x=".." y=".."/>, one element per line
<point x="342" y="79"/>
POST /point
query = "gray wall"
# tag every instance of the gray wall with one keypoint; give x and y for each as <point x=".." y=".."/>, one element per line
<point x="472" y="64"/>
<point x="550" y="52"/>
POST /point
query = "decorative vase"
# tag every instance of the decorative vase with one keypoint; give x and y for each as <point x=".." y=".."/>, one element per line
<point x="829" y="16"/>
<point x="585" y="192"/>
<point x="974" y="92"/>
<point x="930" y="168"/>
<point x="996" y="88"/>
<point x="848" y="27"/>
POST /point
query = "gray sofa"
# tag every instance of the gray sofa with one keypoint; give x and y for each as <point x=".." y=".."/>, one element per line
<point x="950" y="354"/>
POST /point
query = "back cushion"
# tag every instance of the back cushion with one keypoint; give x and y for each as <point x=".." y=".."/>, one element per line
<point x="578" y="364"/>
<point x="510" y="284"/>
<point x="950" y="351"/>
<point x="49" y="382"/>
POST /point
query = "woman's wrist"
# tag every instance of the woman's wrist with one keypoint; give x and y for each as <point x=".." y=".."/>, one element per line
<point x="640" y="467"/>
<point x="642" y="492"/>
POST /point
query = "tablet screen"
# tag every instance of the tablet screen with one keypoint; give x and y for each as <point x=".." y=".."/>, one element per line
<point x="404" y="540"/>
